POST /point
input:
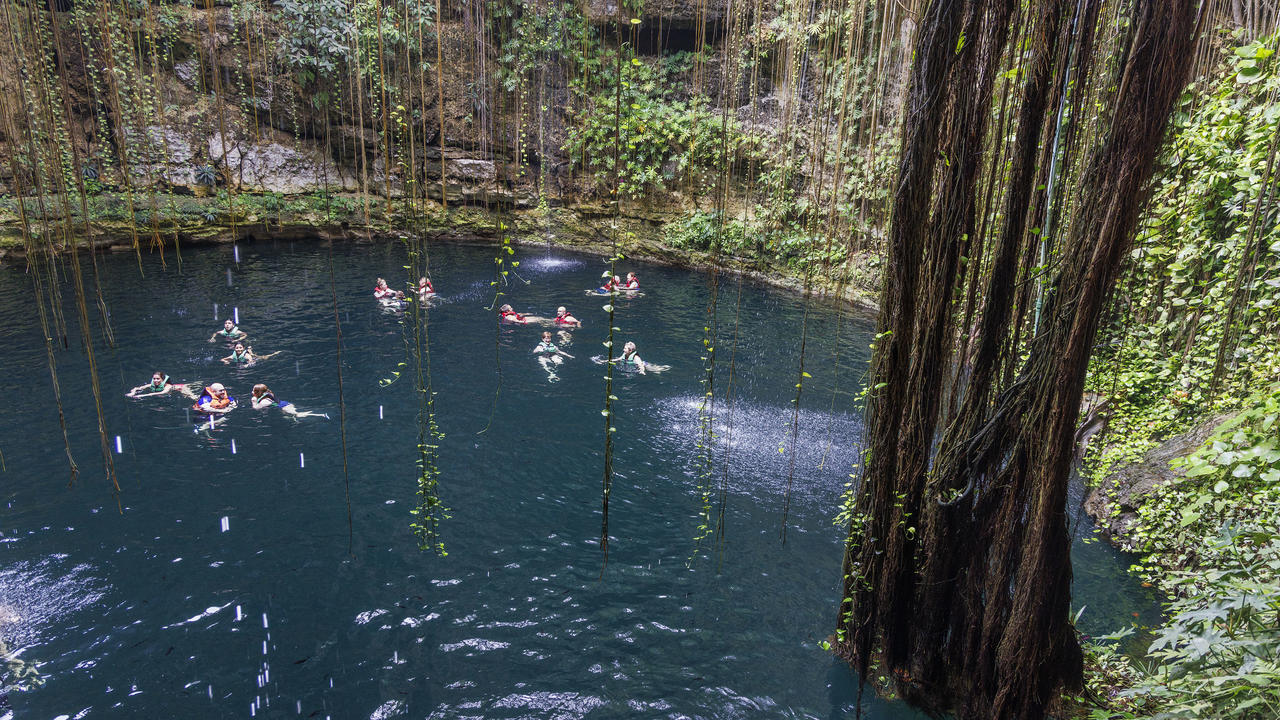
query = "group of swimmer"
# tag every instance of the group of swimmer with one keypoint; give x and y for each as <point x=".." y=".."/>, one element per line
<point x="549" y="354"/>
<point x="215" y="402"/>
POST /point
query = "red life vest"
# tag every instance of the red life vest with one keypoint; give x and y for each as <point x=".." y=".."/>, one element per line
<point x="512" y="314"/>
<point x="565" y="319"/>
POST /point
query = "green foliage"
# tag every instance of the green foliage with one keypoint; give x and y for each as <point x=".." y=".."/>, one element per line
<point x="1218" y="656"/>
<point x="757" y="240"/>
<point x="1197" y="313"/>
<point x="1234" y="480"/>
<point x="661" y="138"/>
<point x="206" y="175"/>
<point x="703" y="231"/>
<point x="315" y="36"/>
<point x="1213" y="544"/>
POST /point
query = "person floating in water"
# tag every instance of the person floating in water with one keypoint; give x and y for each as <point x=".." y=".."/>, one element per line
<point x="229" y="333"/>
<point x="160" y="385"/>
<point x="611" y="285"/>
<point x="241" y="355"/>
<point x="386" y="294"/>
<point x="550" y="356"/>
<point x="263" y="398"/>
<point x="426" y="290"/>
<point x="214" y="401"/>
<point x="508" y="315"/>
<point x="632" y="284"/>
<point x="629" y="359"/>
<point x="564" y="318"/>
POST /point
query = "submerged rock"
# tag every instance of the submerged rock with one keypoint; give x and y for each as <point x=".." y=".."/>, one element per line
<point x="1115" y="502"/>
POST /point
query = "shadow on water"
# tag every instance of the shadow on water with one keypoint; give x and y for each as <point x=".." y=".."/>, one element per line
<point x="225" y="588"/>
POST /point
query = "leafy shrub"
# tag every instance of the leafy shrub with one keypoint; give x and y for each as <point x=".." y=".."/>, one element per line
<point x="1197" y="311"/>
<point x="701" y="231"/>
<point x="1233" y="480"/>
<point x="660" y="138"/>
<point x="1218" y="656"/>
<point x="205" y="175"/>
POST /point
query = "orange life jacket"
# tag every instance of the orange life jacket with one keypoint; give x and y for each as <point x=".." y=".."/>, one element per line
<point x="214" y="401"/>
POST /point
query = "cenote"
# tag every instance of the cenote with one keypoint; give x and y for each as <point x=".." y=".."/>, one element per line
<point x="230" y="584"/>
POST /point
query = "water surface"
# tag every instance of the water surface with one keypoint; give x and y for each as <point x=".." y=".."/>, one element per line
<point x="231" y="584"/>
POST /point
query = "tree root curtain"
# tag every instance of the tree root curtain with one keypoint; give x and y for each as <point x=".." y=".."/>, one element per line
<point x="957" y="574"/>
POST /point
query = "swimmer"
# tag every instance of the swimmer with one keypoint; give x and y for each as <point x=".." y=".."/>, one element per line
<point x="215" y="401"/>
<point x="263" y="398"/>
<point x="160" y="385"/>
<point x="506" y="314"/>
<point x="229" y="333"/>
<point x="425" y="289"/>
<point x="613" y="284"/>
<point x="382" y="292"/>
<point x="241" y="355"/>
<point x="632" y="284"/>
<point x="629" y="358"/>
<point x="550" y="356"/>
<point x="564" y="318"/>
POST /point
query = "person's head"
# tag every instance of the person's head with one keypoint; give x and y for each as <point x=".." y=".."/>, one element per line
<point x="631" y="275"/>
<point x="217" y="389"/>
<point x="546" y="337"/>
<point x="157" y="378"/>
<point x="617" y="279"/>
<point x="422" y="280"/>
<point x="505" y="309"/>
<point x="228" y="324"/>
<point x="382" y="283"/>
<point x="561" y="312"/>
<point x="239" y="348"/>
<point x="629" y="348"/>
<point x="259" y="390"/>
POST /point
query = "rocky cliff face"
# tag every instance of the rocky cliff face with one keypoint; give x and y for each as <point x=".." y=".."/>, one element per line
<point x="1114" y="504"/>
<point x="215" y="99"/>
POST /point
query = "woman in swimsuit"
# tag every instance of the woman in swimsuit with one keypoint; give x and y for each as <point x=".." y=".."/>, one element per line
<point x="630" y="359"/>
<point x="263" y="398"/>
<point x="160" y="385"/>
<point x="241" y="355"/>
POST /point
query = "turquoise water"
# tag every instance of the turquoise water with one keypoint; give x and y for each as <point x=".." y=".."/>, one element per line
<point x="231" y="584"/>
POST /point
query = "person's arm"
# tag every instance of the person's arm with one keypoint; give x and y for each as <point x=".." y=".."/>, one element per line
<point x="227" y="360"/>
<point x="639" y="363"/>
<point x="563" y="353"/>
<point x="213" y="337"/>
